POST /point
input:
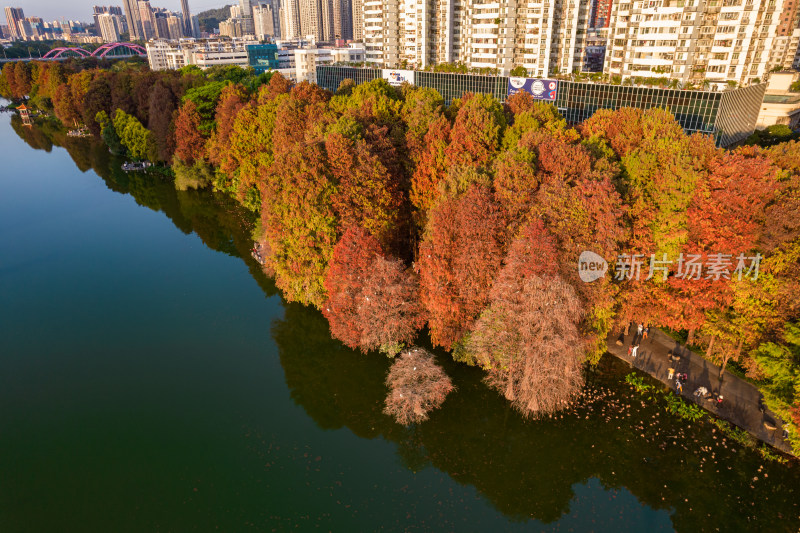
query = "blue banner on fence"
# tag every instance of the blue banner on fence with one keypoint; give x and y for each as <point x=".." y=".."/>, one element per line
<point x="539" y="89"/>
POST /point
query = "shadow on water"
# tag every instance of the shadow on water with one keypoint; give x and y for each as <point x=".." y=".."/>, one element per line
<point x="529" y="469"/>
<point x="220" y="222"/>
<point x="526" y="469"/>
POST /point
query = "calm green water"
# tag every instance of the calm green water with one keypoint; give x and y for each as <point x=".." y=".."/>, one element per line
<point x="151" y="379"/>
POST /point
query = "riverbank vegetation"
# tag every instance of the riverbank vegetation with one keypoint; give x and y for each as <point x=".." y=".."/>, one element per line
<point x="392" y="212"/>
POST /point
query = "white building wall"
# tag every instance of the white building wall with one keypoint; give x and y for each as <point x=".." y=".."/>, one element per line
<point x="697" y="41"/>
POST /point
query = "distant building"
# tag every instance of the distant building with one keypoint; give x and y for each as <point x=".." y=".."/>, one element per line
<point x="601" y="14"/>
<point x="307" y="60"/>
<point x="780" y="106"/>
<point x="100" y="10"/>
<point x="231" y="28"/>
<point x="147" y="20"/>
<point x="14" y="15"/>
<point x="316" y="19"/>
<point x="110" y="27"/>
<point x="343" y="19"/>
<point x="175" y="27"/>
<point x="274" y="5"/>
<point x="263" y="22"/>
<point x="595" y="51"/>
<point x="246" y="16"/>
<point x="134" y="21"/>
<point x="263" y="57"/>
<point x="290" y="19"/>
<point x="186" y="18"/>
<point x="357" y="19"/>
<point x="167" y="55"/>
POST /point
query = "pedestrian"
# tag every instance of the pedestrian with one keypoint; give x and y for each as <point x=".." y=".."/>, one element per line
<point x="671" y="373"/>
<point x="630" y="349"/>
<point x="639" y="329"/>
<point x="719" y="401"/>
<point x="633" y="351"/>
<point x="679" y="386"/>
<point x="685" y="377"/>
<point x="646" y="331"/>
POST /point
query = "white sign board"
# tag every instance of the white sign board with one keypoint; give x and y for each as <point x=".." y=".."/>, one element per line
<point x="396" y="78"/>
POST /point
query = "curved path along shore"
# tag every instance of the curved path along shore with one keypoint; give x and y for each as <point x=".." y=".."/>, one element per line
<point x="741" y="400"/>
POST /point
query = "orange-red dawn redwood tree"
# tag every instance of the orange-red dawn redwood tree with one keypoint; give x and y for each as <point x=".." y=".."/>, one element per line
<point x="373" y="301"/>
<point x="461" y="252"/>
<point x="189" y="142"/>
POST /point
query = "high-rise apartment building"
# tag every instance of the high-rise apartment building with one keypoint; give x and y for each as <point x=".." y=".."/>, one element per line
<point x="175" y="26"/>
<point x="274" y="6"/>
<point x="697" y="41"/>
<point x="290" y="19"/>
<point x="147" y="20"/>
<point x="784" y="51"/>
<point x="381" y="33"/>
<point x="110" y="27"/>
<point x="186" y="19"/>
<point x="231" y="28"/>
<point x="540" y="35"/>
<point x="601" y="13"/>
<point x="343" y="19"/>
<point x="134" y="21"/>
<point x="14" y="16"/>
<point x="358" y="19"/>
<point x="246" y="15"/>
<point x="316" y="19"/>
<point x="100" y="10"/>
<point x="263" y="22"/>
<point x="701" y="42"/>
<point x="161" y="25"/>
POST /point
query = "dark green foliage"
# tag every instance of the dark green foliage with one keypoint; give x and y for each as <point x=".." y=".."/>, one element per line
<point x="772" y="135"/>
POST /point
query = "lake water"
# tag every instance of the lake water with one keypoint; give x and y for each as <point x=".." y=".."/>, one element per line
<point x="152" y="379"/>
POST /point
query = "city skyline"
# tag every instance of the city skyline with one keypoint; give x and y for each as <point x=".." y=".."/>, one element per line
<point x="52" y="10"/>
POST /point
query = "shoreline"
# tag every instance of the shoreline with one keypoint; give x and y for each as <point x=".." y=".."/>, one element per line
<point x="741" y="399"/>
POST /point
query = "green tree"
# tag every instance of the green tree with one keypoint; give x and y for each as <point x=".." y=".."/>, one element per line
<point x="205" y="99"/>
<point x="136" y="138"/>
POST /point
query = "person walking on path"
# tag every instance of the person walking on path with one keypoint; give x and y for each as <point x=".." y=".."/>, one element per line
<point x="679" y="386"/>
<point x="645" y="332"/>
<point x="634" y="350"/>
<point x="671" y="374"/>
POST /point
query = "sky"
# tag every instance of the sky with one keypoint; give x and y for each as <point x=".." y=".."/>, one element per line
<point x="82" y="9"/>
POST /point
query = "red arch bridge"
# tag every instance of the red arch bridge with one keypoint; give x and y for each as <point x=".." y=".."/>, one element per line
<point x="106" y="50"/>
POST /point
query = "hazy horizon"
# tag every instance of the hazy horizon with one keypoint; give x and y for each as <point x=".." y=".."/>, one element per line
<point x="51" y="10"/>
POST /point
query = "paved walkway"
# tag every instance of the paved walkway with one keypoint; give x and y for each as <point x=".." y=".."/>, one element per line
<point x="741" y="399"/>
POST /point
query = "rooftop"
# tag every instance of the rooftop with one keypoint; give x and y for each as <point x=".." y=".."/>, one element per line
<point x="781" y="98"/>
